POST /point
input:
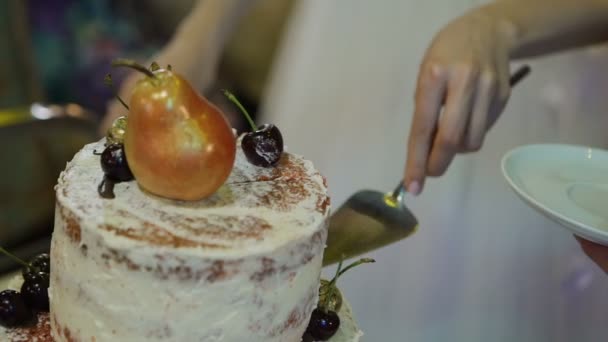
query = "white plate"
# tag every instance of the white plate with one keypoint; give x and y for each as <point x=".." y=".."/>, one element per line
<point x="567" y="183"/>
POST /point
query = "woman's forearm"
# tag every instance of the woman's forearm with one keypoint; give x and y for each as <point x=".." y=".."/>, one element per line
<point x="194" y="50"/>
<point x="198" y="42"/>
<point x="538" y="27"/>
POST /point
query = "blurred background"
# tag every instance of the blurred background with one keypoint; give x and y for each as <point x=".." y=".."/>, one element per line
<point x="338" y="78"/>
<point x="53" y="58"/>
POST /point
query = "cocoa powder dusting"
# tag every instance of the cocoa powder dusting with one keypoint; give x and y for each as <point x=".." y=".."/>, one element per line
<point x="215" y="272"/>
<point x="323" y="203"/>
<point x="215" y="226"/>
<point x="72" y="227"/>
<point x="297" y="316"/>
<point x="268" y="269"/>
<point x="156" y="235"/>
<point x="41" y="332"/>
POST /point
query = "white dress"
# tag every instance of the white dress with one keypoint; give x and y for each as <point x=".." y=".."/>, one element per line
<point x="483" y="266"/>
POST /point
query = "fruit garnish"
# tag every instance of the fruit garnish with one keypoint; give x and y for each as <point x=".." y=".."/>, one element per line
<point x="105" y="189"/>
<point x="154" y="66"/>
<point x="35" y="292"/>
<point x="116" y="133"/>
<point x="323" y="325"/>
<point x="178" y="144"/>
<point x="14" y="257"/>
<point x="330" y="298"/>
<point x="16" y="308"/>
<point x="108" y="81"/>
<point x="13" y="311"/>
<point x="115" y="168"/>
<point x="40" y="264"/>
<point x="262" y="146"/>
<point x="114" y="163"/>
<point x="324" y="321"/>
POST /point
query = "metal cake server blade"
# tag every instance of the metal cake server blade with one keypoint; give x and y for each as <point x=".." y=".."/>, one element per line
<point x="368" y="220"/>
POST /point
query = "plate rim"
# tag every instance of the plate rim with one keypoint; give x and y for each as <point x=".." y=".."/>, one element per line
<point x="580" y="228"/>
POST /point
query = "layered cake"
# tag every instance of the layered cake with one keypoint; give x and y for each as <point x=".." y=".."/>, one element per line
<point x="199" y="237"/>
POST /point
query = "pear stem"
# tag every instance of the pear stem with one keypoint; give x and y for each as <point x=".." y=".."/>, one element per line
<point x="234" y="100"/>
<point x="108" y="81"/>
<point x="14" y="257"/>
<point x="154" y="66"/>
<point x="121" y="62"/>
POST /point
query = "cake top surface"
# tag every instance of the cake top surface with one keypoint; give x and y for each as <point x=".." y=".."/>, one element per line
<point x="256" y="210"/>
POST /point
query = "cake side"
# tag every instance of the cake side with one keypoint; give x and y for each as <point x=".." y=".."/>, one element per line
<point x="241" y="265"/>
<point x="41" y="332"/>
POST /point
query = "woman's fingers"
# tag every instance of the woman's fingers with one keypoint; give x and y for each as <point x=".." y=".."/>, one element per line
<point x="476" y="131"/>
<point x="461" y="91"/>
<point x="430" y="93"/>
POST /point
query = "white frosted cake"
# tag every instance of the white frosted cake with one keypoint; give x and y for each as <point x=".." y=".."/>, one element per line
<point x="179" y="231"/>
<point x="242" y="265"/>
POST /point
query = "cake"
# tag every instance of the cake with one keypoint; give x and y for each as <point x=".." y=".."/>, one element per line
<point x="179" y="231"/>
<point x="242" y="265"/>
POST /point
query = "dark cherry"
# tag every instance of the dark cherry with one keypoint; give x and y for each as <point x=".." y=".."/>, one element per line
<point x="32" y="273"/>
<point x="40" y="264"/>
<point x="35" y="292"/>
<point x="105" y="188"/>
<point x="114" y="163"/>
<point x="323" y="325"/>
<point x="13" y="311"/>
<point x="263" y="147"/>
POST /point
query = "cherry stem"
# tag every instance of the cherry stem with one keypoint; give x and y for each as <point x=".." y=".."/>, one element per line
<point x="14" y="257"/>
<point x="108" y="81"/>
<point x="121" y="62"/>
<point x="340" y="271"/>
<point x="234" y="100"/>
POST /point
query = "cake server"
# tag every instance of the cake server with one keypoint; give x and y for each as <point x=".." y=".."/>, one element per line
<point x="369" y="219"/>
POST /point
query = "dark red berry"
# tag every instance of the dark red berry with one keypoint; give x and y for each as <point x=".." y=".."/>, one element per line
<point x="323" y="325"/>
<point x="13" y="311"/>
<point x="42" y="262"/>
<point x="114" y="163"/>
<point x="307" y="337"/>
<point x="35" y="292"/>
<point x="32" y="273"/>
<point x="263" y="147"/>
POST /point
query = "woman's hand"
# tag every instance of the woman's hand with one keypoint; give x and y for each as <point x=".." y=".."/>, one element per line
<point x="463" y="86"/>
